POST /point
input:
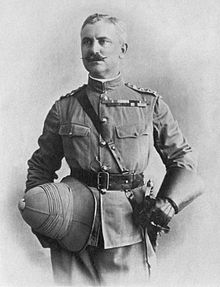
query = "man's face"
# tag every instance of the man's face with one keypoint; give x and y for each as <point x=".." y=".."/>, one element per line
<point x="101" y="49"/>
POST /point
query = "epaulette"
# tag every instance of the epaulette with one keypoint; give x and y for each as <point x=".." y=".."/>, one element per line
<point x="72" y="93"/>
<point x="142" y="90"/>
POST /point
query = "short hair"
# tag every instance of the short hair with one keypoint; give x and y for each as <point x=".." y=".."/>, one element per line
<point x="119" y="24"/>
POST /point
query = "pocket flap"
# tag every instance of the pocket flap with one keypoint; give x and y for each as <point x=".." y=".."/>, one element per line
<point x="131" y="131"/>
<point x="74" y="130"/>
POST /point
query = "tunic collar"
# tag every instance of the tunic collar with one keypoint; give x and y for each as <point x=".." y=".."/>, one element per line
<point x="104" y="85"/>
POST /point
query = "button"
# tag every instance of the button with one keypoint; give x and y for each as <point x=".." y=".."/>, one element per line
<point x="104" y="97"/>
<point x="104" y="120"/>
<point x="102" y="143"/>
<point x="105" y="167"/>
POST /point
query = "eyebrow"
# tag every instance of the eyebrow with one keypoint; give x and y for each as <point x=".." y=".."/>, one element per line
<point x="98" y="38"/>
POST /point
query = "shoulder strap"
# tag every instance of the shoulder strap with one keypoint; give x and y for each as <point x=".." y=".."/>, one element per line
<point x="89" y="110"/>
<point x="142" y="90"/>
<point x="72" y="93"/>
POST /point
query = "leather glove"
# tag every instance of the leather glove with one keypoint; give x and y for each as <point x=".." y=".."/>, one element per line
<point x="162" y="212"/>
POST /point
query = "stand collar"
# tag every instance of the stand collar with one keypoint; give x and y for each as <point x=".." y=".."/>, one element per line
<point x="104" y="85"/>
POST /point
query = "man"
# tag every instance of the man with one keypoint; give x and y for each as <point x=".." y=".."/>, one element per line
<point x="131" y="122"/>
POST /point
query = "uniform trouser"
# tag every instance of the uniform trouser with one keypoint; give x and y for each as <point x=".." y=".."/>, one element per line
<point x="98" y="266"/>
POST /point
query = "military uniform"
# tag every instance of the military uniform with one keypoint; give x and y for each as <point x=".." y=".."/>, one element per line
<point x="137" y="120"/>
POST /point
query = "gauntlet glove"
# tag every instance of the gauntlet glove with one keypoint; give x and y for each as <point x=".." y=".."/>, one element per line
<point x="161" y="213"/>
<point x="156" y="212"/>
<point x="151" y="213"/>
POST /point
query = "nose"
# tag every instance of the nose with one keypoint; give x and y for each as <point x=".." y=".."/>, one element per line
<point x="95" y="47"/>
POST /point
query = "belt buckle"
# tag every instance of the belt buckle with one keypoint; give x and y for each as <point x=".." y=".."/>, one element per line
<point x="103" y="181"/>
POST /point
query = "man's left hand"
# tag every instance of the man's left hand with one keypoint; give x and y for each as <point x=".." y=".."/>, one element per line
<point x="162" y="212"/>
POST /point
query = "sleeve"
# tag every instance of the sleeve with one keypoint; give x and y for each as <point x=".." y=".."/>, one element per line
<point x="47" y="159"/>
<point x="181" y="184"/>
<point x="169" y="142"/>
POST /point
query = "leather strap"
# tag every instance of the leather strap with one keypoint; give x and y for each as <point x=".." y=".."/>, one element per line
<point x="117" y="156"/>
<point x="109" y="181"/>
<point x="89" y="110"/>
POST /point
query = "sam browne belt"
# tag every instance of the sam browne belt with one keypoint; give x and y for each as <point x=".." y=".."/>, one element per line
<point x="106" y="181"/>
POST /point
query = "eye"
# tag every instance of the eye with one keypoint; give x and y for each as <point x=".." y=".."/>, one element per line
<point x="87" y="42"/>
<point x="104" y="42"/>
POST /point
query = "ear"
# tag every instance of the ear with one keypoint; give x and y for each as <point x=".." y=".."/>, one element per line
<point x="124" y="48"/>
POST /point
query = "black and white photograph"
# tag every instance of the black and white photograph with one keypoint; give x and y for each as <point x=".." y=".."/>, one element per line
<point x="110" y="145"/>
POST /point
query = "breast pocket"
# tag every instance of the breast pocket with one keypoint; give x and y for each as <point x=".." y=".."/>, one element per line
<point x="132" y="140"/>
<point x="76" y="142"/>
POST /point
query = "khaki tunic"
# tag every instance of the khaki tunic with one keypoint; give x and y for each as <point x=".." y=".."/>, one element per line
<point x="136" y="130"/>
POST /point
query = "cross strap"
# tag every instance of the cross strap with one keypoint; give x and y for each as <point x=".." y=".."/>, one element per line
<point x="89" y="110"/>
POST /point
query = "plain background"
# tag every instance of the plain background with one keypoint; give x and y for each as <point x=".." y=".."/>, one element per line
<point x="174" y="49"/>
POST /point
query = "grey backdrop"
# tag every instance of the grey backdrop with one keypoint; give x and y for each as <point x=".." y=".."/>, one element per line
<point x="174" y="49"/>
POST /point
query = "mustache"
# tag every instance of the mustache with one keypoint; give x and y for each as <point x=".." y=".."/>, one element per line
<point x="95" y="57"/>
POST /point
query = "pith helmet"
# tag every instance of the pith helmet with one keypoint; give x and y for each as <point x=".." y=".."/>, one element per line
<point x="63" y="211"/>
